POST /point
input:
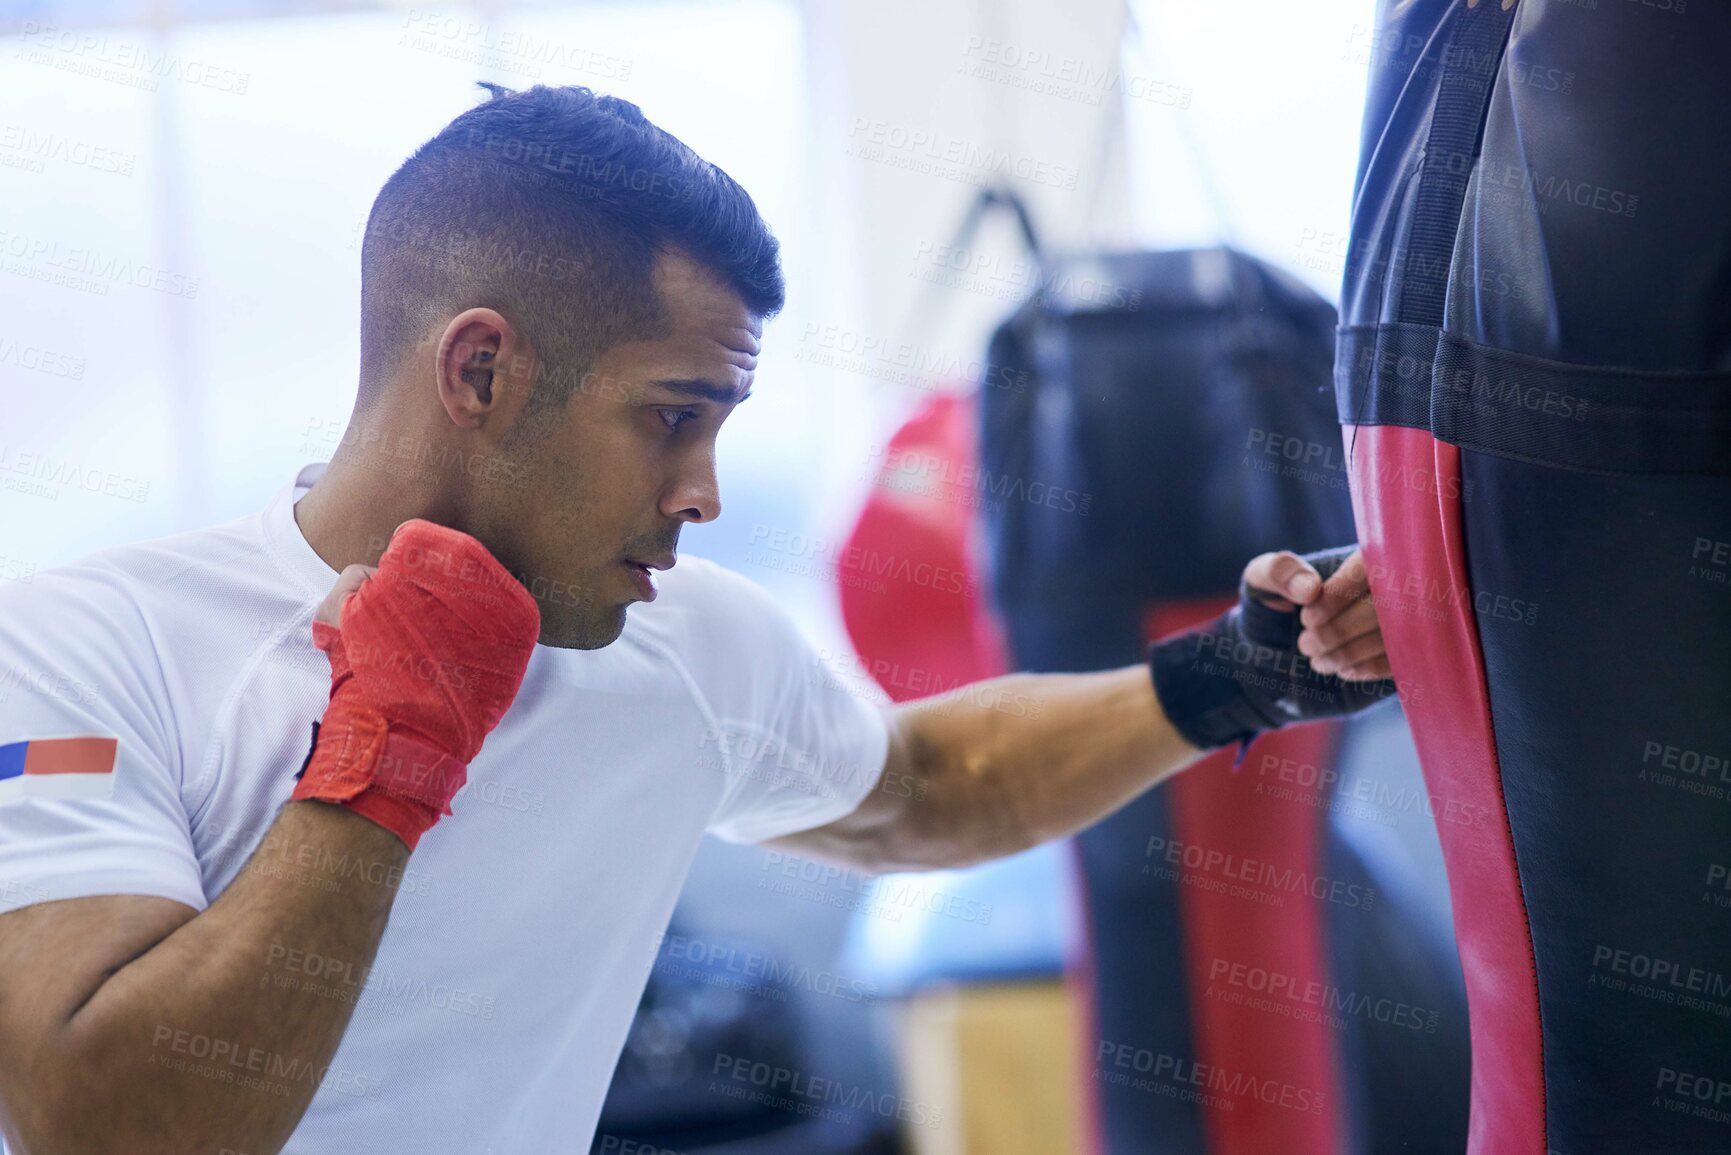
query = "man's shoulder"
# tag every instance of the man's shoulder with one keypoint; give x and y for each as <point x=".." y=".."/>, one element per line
<point x="704" y="606"/>
<point x="698" y="581"/>
<point x="206" y="572"/>
<point x="698" y="585"/>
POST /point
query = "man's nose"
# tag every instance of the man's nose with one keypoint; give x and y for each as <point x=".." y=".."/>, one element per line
<point x="695" y="495"/>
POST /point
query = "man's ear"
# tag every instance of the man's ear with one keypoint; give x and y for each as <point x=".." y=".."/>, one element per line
<point x="464" y="368"/>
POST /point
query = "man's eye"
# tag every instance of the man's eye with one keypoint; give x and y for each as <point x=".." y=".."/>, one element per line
<point x="677" y="417"/>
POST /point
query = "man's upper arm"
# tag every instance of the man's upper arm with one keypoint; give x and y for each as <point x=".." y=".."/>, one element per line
<point x="96" y="857"/>
<point x="856" y="839"/>
<point x="90" y="799"/>
<point x="802" y="747"/>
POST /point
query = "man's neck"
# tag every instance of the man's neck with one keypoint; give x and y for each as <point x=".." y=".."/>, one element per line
<point x="350" y="513"/>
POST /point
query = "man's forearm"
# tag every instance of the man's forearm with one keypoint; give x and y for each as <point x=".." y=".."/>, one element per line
<point x="1010" y="763"/>
<point x="998" y="780"/>
<point x="211" y="1038"/>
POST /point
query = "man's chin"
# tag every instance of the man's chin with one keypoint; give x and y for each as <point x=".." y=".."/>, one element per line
<point x="591" y="632"/>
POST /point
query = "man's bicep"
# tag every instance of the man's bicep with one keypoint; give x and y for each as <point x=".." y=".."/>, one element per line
<point x="862" y="839"/>
<point x="803" y="748"/>
<point x="853" y="840"/>
<point x="788" y="779"/>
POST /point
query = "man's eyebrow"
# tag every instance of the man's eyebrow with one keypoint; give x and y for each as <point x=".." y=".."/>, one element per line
<point x="706" y="389"/>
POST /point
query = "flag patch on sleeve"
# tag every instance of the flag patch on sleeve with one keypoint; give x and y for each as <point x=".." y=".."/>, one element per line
<point x="58" y="768"/>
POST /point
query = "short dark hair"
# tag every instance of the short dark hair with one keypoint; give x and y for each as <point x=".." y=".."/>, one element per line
<point x="551" y="205"/>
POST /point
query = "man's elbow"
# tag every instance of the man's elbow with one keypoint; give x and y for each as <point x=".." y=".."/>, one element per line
<point x="38" y="1125"/>
<point x="35" y="1116"/>
<point x="35" y="1123"/>
<point x="61" y="1114"/>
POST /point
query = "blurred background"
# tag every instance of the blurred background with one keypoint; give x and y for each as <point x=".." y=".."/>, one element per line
<point x="183" y="185"/>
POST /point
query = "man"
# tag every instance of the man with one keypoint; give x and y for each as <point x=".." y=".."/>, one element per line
<point x="215" y="951"/>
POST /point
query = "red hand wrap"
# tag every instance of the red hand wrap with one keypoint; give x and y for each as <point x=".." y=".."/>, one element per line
<point x="432" y="651"/>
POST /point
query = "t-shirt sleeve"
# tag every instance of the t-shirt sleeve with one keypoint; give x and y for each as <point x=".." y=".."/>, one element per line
<point x="90" y="799"/>
<point x="801" y="748"/>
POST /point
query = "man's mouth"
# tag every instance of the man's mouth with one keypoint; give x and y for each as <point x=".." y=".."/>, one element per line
<point x="643" y="572"/>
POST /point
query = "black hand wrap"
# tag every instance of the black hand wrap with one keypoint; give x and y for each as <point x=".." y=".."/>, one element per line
<point x="1242" y="673"/>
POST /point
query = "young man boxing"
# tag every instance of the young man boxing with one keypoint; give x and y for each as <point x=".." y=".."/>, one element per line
<point x="352" y="825"/>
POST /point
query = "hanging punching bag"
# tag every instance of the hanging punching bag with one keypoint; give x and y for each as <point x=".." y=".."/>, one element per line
<point x="1155" y="420"/>
<point x="1532" y="373"/>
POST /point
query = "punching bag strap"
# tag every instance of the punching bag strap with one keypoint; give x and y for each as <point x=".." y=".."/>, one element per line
<point x="1470" y="58"/>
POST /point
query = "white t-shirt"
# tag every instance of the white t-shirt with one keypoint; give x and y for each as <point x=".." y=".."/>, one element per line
<point x="525" y="924"/>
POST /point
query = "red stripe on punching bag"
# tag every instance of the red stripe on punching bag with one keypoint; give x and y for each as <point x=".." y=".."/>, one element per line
<point x="1406" y="496"/>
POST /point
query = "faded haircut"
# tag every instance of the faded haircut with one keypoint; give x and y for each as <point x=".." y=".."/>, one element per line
<point x="551" y="206"/>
